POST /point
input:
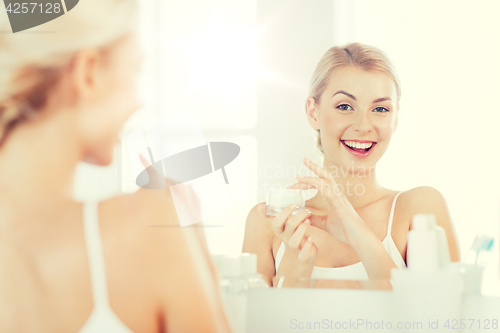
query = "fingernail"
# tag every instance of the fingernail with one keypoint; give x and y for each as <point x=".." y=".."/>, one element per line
<point x="307" y="221"/>
<point x="292" y="206"/>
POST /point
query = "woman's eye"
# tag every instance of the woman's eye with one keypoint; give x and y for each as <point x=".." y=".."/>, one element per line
<point x="344" y="107"/>
<point x="380" y="109"/>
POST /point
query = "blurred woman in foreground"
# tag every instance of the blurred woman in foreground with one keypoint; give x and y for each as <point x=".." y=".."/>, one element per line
<point x="68" y="266"/>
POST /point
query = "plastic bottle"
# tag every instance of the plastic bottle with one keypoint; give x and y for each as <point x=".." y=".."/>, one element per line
<point x="249" y="271"/>
<point x="443" y="249"/>
<point x="237" y="274"/>
<point x="423" y="251"/>
<point x="233" y="291"/>
<point x="429" y="287"/>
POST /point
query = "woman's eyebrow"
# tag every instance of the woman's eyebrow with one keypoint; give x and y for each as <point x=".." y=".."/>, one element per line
<point x="382" y="99"/>
<point x="354" y="98"/>
<point x="345" y="93"/>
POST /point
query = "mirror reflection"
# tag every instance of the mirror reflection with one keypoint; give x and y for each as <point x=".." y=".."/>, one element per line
<point x="353" y="228"/>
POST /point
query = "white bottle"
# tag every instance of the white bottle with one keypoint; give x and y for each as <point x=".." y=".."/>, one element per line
<point x="436" y="291"/>
<point x="230" y="275"/>
<point x="249" y="271"/>
<point x="423" y="251"/>
<point x="443" y="249"/>
<point x="233" y="291"/>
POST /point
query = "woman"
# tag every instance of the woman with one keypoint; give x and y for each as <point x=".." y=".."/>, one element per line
<point x="67" y="266"/>
<point x="353" y="228"/>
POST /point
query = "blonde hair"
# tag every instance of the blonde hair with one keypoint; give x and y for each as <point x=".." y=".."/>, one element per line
<point x="366" y="57"/>
<point x="32" y="61"/>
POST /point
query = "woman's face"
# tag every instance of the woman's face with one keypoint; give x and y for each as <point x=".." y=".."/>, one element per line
<point x="356" y="116"/>
<point x="113" y="101"/>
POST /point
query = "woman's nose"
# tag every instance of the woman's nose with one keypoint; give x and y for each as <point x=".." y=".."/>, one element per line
<point x="362" y="124"/>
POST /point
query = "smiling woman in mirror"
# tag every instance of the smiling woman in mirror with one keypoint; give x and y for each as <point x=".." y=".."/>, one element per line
<point x="353" y="231"/>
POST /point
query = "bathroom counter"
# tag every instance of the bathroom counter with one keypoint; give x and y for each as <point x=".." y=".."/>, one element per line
<point x="346" y="310"/>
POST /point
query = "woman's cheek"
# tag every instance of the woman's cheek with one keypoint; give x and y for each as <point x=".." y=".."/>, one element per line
<point x="385" y="127"/>
<point x="125" y="100"/>
<point x="340" y="130"/>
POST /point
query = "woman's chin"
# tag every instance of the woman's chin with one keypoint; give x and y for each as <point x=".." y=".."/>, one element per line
<point x="98" y="161"/>
<point x="347" y="165"/>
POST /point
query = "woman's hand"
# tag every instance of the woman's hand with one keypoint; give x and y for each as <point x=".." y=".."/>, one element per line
<point x="291" y="230"/>
<point x="341" y="221"/>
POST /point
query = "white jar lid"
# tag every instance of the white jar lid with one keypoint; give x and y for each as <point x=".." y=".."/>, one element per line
<point x="230" y="266"/>
<point x="248" y="263"/>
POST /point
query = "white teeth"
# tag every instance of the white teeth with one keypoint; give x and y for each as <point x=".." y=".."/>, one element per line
<point x="358" y="145"/>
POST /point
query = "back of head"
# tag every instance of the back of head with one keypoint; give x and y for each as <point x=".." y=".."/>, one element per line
<point x="31" y="61"/>
<point x="366" y="57"/>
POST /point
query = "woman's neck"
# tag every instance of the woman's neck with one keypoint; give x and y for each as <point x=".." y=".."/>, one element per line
<point x="358" y="184"/>
<point x="37" y="164"/>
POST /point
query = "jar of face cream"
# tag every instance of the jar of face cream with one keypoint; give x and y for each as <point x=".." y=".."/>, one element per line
<point x="276" y="202"/>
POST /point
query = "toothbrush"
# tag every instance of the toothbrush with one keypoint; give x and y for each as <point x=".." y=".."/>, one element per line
<point x="481" y="243"/>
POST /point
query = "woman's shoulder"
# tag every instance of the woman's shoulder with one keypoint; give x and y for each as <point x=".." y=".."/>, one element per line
<point x="256" y="220"/>
<point x="140" y="209"/>
<point x="254" y="212"/>
<point x="420" y="199"/>
<point x="423" y="200"/>
<point x="257" y="228"/>
<point x="428" y="200"/>
<point x="140" y="232"/>
<point x="146" y="246"/>
<point x="139" y="220"/>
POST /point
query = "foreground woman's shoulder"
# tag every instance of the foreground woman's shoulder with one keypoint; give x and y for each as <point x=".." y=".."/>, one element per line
<point x="146" y="246"/>
<point x="139" y="217"/>
<point x="142" y="230"/>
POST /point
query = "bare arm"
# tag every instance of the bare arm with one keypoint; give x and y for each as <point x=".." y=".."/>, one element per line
<point x="200" y="234"/>
<point x="377" y="262"/>
<point x="298" y="260"/>
<point x="258" y="239"/>
<point x="184" y="285"/>
<point x="184" y="277"/>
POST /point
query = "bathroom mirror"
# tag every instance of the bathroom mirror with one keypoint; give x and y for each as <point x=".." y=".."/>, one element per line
<point x="250" y="84"/>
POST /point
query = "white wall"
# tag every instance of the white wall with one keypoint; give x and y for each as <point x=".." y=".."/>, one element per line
<point x="244" y="66"/>
<point x="447" y="55"/>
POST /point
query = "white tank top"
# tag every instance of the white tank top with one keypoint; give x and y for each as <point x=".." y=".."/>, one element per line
<point x="102" y="319"/>
<point x="355" y="271"/>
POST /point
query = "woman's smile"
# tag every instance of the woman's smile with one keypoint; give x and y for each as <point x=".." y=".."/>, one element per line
<point x="359" y="148"/>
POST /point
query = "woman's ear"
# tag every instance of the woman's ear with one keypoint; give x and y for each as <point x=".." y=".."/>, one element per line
<point x="312" y="113"/>
<point x="84" y="73"/>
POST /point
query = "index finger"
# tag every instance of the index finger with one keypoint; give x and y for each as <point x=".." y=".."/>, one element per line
<point x="279" y="220"/>
<point x="320" y="171"/>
